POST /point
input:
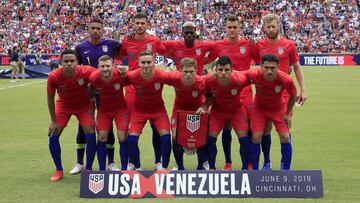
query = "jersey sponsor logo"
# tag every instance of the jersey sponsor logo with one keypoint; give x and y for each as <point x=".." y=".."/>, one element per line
<point x="233" y="92"/>
<point x="96" y="182"/>
<point x="280" y="50"/>
<point x="117" y="86"/>
<point x="157" y="86"/>
<point x="105" y="48"/>
<point x="85" y="52"/>
<point x="195" y="93"/>
<point x="149" y="47"/>
<point x="242" y="50"/>
<point x="277" y="89"/>
<point x="198" y="51"/>
<point x="192" y="122"/>
<point x="81" y="81"/>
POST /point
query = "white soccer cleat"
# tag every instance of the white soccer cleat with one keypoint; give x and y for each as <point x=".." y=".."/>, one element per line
<point x="158" y="166"/>
<point x="206" y="165"/>
<point x="77" y="169"/>
<point x="113" y="167"/>
<point x="130" y="167"/>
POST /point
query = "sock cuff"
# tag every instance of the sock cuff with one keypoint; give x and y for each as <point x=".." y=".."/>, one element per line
<point x="165" y="137"/>
<point x="212" y="139"/>
<point x="286" y="144"/>
<point x="133" y="139"/>
<point x="54" y="138"/>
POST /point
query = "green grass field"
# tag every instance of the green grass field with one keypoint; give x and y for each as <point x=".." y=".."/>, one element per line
<point x="325" y="137"/>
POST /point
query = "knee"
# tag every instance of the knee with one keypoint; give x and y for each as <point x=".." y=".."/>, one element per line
<point x="89" y="129"/>
<point x="284" y="137"/>
<point x="256" y="138"/>
<point x="102" y="137"/>
<point x="122" y="137"/>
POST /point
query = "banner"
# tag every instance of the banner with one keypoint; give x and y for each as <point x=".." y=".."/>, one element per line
<point x="31" y="59"/>
<point x="192" y="129"/>
<point x="329" y="60"/>
<point x="201" y="184"/>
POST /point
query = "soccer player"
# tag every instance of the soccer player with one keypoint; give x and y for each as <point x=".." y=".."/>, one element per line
<point x="189" y="47"/>
<point x="132" y="46"/>
<point x="70" y="82"/>
<point x="89" y="52"/>
<point x="109" y="84"/>
<point x="287" y="54"/>
<point x="189" y="91"/>
<point x="269" y="105"/>
<point x="241" y="51"/>
<point x="149" y="105"/>
<point x="227" y="108"/>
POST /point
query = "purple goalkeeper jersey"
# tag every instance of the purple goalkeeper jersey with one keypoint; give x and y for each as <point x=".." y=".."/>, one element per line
<point x="89" y="54"/>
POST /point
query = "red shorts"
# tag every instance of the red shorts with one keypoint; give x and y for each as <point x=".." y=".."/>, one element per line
<point x="138" y="120"/>
<point x="105" y="119"/>
<point x="238" y="121"/>
<point x="259" y="118"/>
<point x="247" y="103"/>
<point x="85" y="116"/>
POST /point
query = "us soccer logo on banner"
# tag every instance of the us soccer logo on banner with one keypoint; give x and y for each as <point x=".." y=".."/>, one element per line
<point x="192" y="122"/>
<point x="96" y="183"/>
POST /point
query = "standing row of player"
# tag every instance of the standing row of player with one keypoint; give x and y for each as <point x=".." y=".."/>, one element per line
<point x="238" y="49"/>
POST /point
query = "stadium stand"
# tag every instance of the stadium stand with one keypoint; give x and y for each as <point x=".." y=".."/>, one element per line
<point x="50" y="26"/>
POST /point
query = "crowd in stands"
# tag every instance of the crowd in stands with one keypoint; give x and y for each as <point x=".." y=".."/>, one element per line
<point x="322" y="26"/>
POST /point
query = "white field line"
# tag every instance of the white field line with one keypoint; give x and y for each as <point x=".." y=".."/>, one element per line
<point x="21" y="85"/>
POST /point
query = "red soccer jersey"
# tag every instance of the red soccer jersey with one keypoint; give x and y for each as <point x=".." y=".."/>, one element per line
<point x="226" y="98"/>
<point x="148" y="92"/>
<point x="188" y="98"/>
<point x="177" y="51"/>
<point x="284" y="49"/>
<point x="269" y="93"/>
<point x="240" y="53"/>
<point x="111" y="92"/>
<point x="72" y="92"/>
<point x="131" y="48"/>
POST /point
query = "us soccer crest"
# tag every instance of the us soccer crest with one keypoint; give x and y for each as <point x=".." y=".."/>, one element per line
<point x="198" y="51"/>
<point x="157" y="86"/>
<point x="132" y="55"/>
<point x="242" y="50"/>
<point x="105" y="48"/>
<point x="149" y="47"/>
<point x="96" y="182"/>
<point x="81" y="82"/>
<point x="117" y="86"/>
<point x="280" y="50"/>
<point x="192" y="122"/>
<point x="277" y="89"/>
<point x="195" y="93"/>
<point x="233" y="92"/>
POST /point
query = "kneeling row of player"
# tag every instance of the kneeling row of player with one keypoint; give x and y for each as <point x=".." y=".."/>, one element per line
<point x="223" y="95"/>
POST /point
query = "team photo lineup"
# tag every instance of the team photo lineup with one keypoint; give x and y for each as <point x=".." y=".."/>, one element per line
<point x="92" y="77"/>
